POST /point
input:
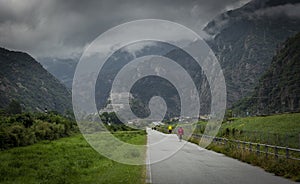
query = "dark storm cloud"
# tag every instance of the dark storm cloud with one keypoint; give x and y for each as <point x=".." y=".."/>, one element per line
<point x="62" y="28"/>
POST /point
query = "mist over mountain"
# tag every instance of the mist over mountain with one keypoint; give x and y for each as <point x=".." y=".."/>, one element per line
<point x="279" y="88"/>
<point x="145" y="88"/>
<point x="23" y="79"/>
<point x="246" y="39"/>
<point x="62" y="69"/>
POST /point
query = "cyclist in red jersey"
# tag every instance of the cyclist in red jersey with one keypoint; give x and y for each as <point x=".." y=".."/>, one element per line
<point x="180" y="133"/>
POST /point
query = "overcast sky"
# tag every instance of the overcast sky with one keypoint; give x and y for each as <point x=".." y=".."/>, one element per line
<point x="62" y="28"/>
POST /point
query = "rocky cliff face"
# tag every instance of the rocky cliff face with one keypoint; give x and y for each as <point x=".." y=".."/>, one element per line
<point x="25" y="80"/>
<point x="245" y="40"/>
<point x="279" y="88"/>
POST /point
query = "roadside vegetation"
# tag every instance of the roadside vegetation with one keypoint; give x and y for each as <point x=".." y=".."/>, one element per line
<point x="280" y="167"/>
<point x="46" y="147"/>
<point x="68" y="160"/>
<point x="24" y="129"/>
<point x="280" y="130"/>
<point x="113" y="124"/>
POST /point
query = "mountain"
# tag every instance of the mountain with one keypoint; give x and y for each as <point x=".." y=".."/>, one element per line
<point x="245" y="40"/>
<point x="144" y="88"/>
<point x="62" y="69"/>
<point x="279" y="88"/>
<point x="23" y="79"/>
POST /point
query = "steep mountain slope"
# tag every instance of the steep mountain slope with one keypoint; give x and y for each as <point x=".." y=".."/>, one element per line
<point x="62" y="69"/>
<point x="25" y="80"/>
<point x="245" y="40"/>
<point x="279" y="88"/>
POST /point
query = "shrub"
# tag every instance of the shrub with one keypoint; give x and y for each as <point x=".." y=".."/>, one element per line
<point x="27" y="128"/>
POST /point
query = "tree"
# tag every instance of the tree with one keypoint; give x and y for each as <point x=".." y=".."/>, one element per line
<point x="113" y="118"/>
<point x="228" y="115"/>
<point x="14" y="107"/>
<point x="104" y="117"/>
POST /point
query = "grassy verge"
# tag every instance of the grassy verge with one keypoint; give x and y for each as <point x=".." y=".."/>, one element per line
<point x="281" y="167"/>
<point x="68" y="160"/>
<point x="281" y="130"/>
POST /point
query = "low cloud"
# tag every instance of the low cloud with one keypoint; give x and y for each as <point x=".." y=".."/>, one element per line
<point x="290" y="10"/>
<point x="63" y="28"/>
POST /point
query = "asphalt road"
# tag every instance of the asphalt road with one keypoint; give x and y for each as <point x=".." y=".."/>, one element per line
<point x="195" y="165"/>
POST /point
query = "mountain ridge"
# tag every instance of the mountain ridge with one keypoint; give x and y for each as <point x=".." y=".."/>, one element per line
<point x="25" y="80"/>
<point x="245" y="41"/>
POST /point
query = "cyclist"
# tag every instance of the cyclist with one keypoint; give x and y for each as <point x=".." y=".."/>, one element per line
<point x="180" y="133"/>
<point x="170" y="129"/>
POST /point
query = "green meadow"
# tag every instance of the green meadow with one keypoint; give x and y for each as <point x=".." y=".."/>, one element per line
<point x="68" y="160"/>
<point x="280" y="130"/>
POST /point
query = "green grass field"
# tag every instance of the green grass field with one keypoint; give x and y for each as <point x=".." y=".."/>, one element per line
<point x="281" y="130"/>
<point x="68" y="160"/>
